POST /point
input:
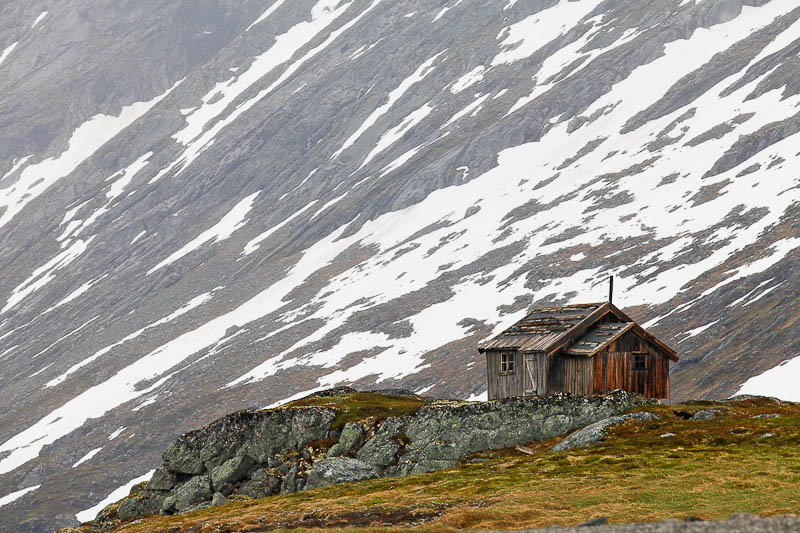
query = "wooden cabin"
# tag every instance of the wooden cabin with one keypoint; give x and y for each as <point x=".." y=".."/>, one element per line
<point x="583" y="349"/>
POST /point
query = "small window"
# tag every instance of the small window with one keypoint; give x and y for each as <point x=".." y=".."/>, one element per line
<point x="507" y="363"/>
<point x="639" y="362"/>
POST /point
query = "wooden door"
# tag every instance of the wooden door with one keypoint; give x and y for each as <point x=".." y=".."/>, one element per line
<point x="533" y="375"/>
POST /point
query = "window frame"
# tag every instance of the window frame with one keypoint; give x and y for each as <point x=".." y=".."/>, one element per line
<point x="508" y="363"/>
<point x="637" y="359"/>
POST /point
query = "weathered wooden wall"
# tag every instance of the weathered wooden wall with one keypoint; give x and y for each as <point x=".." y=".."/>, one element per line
<point x="614" y="368"/>
<point x="503" y="385"/>
<point x="608" y="370"/>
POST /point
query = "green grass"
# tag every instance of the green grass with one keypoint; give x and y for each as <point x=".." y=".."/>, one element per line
<point x="709" y="469"/>
<point x="362" y="406"/>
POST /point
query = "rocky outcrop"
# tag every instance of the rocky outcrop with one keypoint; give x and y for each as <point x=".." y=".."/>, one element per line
<point x="339" y="470"/>
<point x="254" y="454"/>
<point x="597" y="432"/>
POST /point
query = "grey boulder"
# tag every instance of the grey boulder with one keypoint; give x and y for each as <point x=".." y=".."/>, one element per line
<point x="231" y="471"/>
<point x="218" y="499"/>
<point x="261" y="484"/>
<point x="597" y="432"/>
<point x="162" y="479"/>
<point x="193" y="492"/>
<point x="706" y="414"/>
<point x="339" y="470"/>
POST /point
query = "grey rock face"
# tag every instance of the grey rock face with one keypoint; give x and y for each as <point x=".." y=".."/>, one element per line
<point x="339" y="470"/>
<point x="261" y="484"/>
<point x="439" y="435"/>
<point x="195" y="491"/>
<point x="351" y="435"/>
<point x="382" y="449"/>
<point x="231" y="471"/>
<point x="162" y="479"/>
<point x="597" y="432"/>
<point x="148" y="503"/>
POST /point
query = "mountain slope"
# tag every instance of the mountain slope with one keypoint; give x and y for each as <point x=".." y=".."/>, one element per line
<point x="217" y="205"/>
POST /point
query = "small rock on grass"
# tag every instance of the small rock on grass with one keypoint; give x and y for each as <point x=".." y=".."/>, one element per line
<point x="599" y="521"/>
<point x="706" y="414"/>
<point x="597" y="431"/>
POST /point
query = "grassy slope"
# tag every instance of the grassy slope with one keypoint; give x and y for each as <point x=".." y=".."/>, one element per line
<point x="709" y="469"/>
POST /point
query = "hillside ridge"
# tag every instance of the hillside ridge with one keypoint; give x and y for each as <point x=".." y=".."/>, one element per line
<point x="238" y="469"/>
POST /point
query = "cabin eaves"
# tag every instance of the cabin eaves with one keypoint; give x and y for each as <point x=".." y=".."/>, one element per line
<point x="574" y="329"/>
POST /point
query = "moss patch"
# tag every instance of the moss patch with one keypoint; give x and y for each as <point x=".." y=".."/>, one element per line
<point x="362" y="406"/>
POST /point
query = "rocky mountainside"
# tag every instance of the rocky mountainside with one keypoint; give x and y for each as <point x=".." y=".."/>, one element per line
<point x="213" y="205"/>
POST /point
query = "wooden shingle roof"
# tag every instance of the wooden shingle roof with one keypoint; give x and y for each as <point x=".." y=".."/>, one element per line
<point x="573" y="328"/>
<point x="542" y="328"/>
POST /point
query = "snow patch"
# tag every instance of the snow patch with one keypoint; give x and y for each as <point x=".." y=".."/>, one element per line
<point x="46" y="273"/>
<point x="777" y="382"/>
<point x="468" y="80"/>
<point x="530" y="34"/>
<point x="87" y="457"/>
<point x="90" y="136"/>
<point x="7" y="52"/>
<point x="195" y="302"/>
<point x="39" y="19"/>
<point x="9" y="498"/>
<point x="255" y="244"/>
<point x="420" y="74"/>
<point x="117" y="433"/>
<point x="222" y="230"/>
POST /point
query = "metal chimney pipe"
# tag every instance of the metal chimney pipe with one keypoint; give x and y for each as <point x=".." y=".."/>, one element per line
<point x="610" y="289"/>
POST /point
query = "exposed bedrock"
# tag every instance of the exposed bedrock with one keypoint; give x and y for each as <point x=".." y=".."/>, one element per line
<point x="254" y="454"/>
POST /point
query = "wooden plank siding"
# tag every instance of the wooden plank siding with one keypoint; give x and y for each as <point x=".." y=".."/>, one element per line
<point x="504" y="385"/>
<point x="614" y="368"/>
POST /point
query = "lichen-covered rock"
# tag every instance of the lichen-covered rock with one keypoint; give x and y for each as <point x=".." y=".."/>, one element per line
<point x="289" y="483"/>
<point x="351" y="436"/>
<point x="218" y="499"/>
<point x="441" y="433"/>
<point x="145" y="503"/>
<point x="193" y="492"/>
<point x="262" y="453"/>
<point x="231" y="471"/>
<point x="287" y="429"/>
<point x="168" y="505"/>
<point x="261" y="484"/>
<point x="383" y="448"/>
<point x="706" y="414"/>
<point x="335" y="470"/>
<point x="597" y="431"/>
<point x="162" y="479"/>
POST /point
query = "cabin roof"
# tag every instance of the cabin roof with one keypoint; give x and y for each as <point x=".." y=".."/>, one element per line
<point x="572" y="328"/>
